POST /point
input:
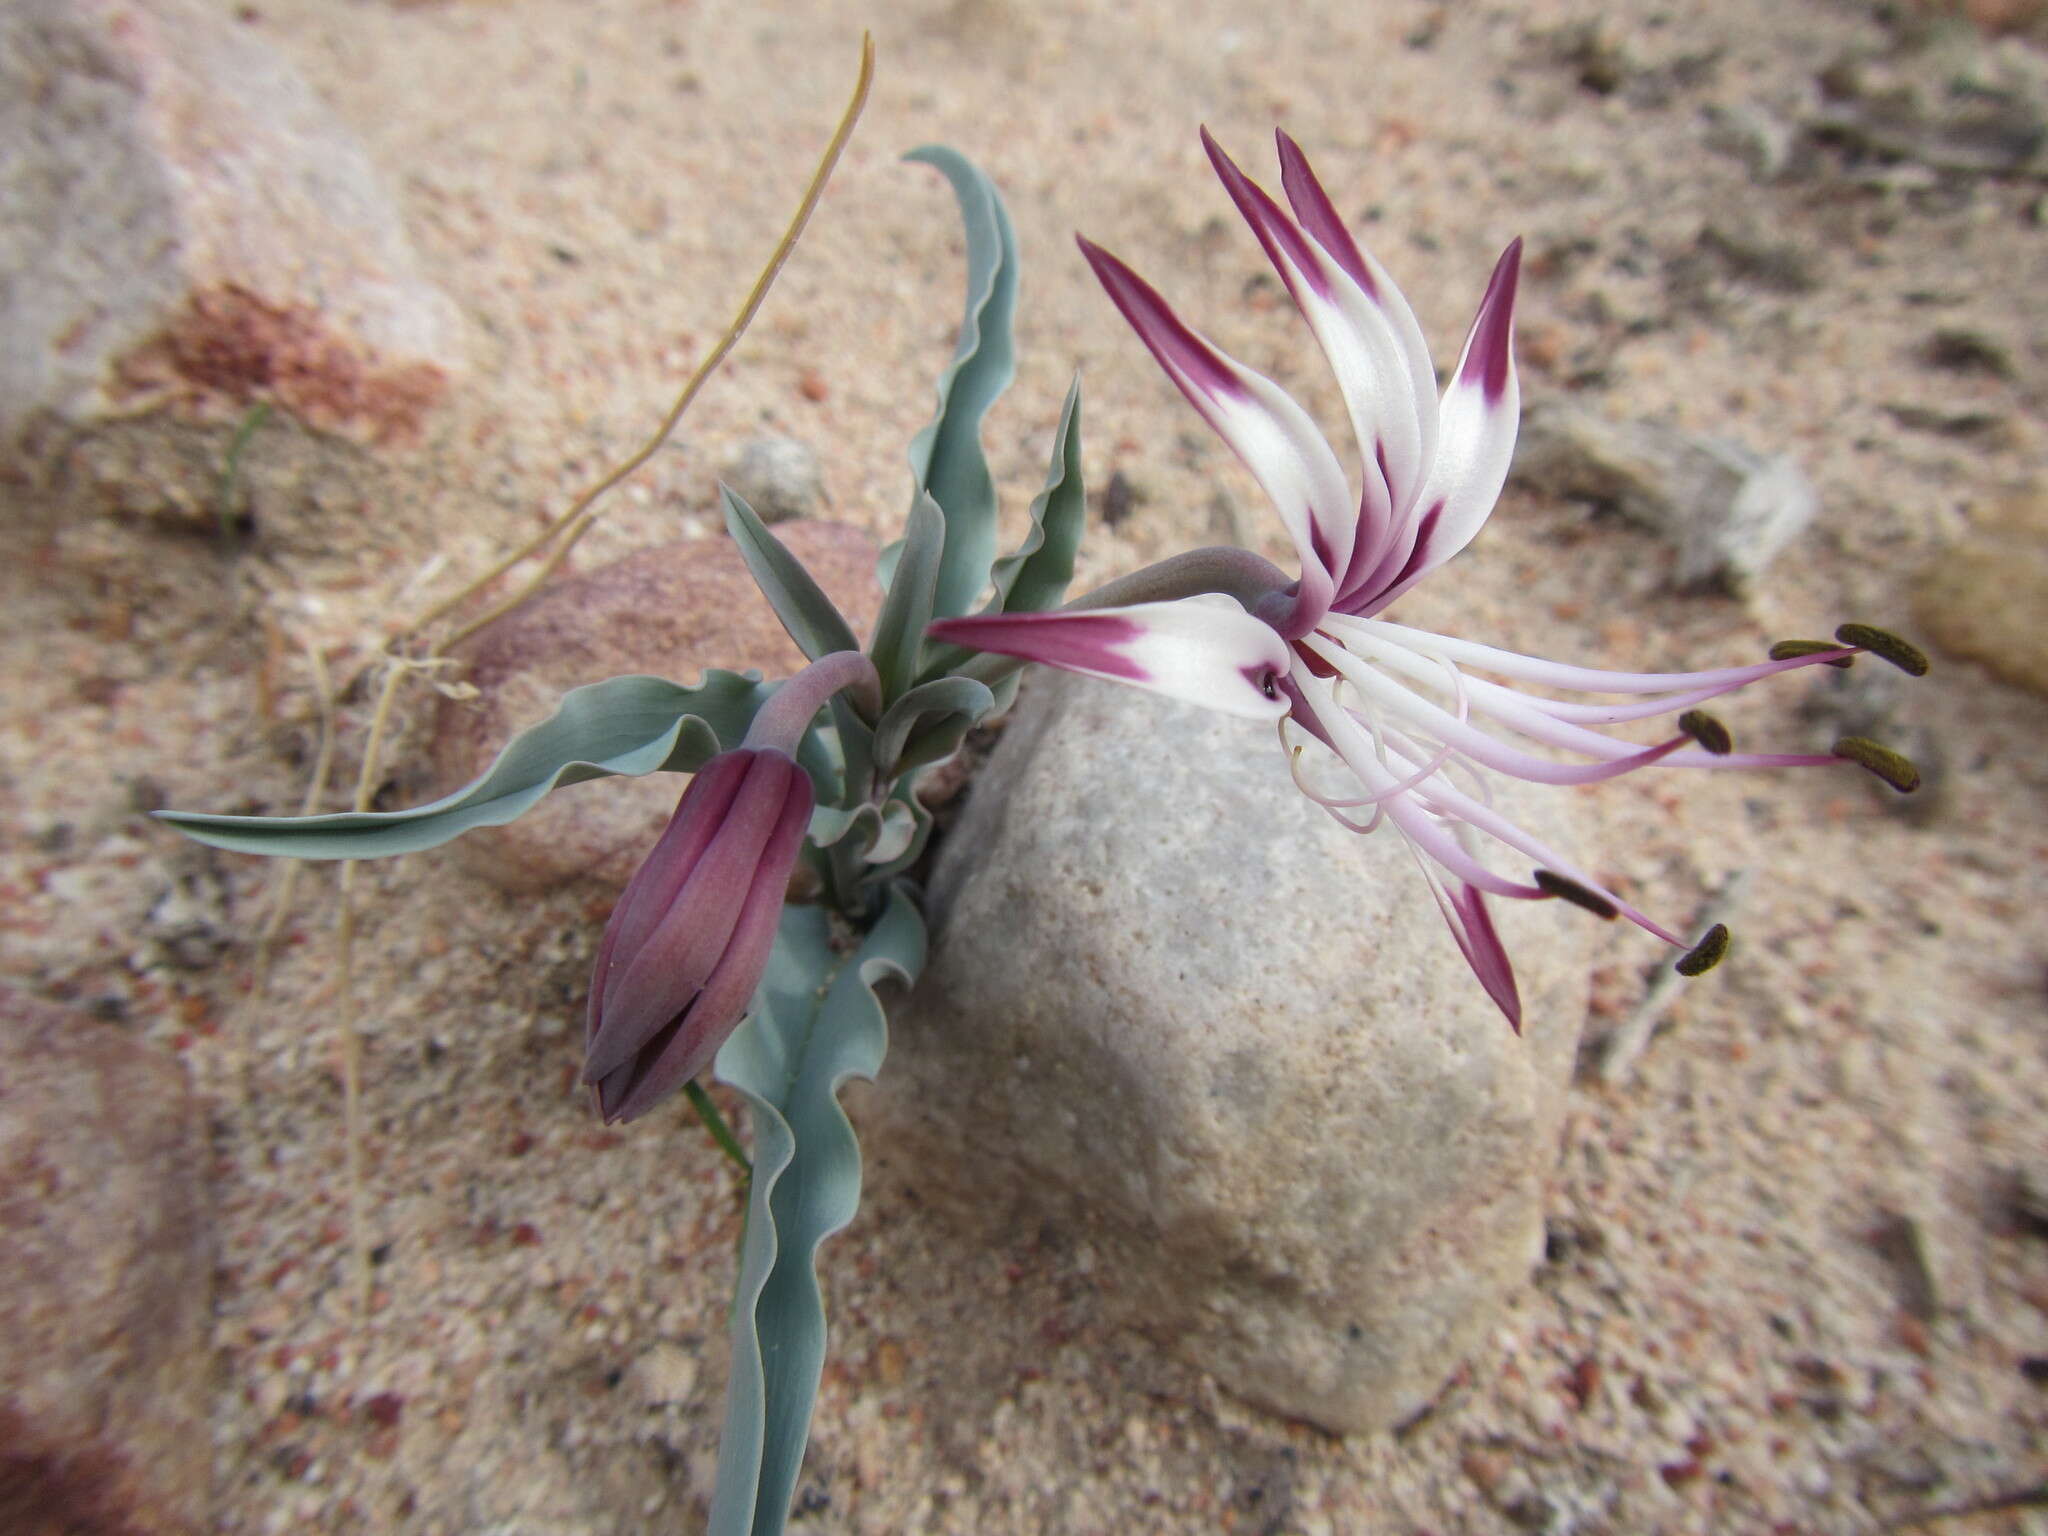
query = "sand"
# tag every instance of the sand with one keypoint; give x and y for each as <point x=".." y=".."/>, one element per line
<point x="1723" y="1339"/>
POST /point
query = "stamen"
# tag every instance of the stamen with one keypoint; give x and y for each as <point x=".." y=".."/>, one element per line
<point x="1711" y="950"/>
<point x="1792" y="650"/>
<point x="1709" y="732"/>
<point x="1895" y="768"/>
<point x="1553" y="884"/>
<point x="1885" y="646"/>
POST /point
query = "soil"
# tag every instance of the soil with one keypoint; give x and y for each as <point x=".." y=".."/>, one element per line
<point x="1789" y="1288"/>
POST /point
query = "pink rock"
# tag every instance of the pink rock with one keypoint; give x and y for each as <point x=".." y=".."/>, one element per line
<point x="672" y="611"/>
<point x="106" y="1277"/>
<point x="188" y="231"/>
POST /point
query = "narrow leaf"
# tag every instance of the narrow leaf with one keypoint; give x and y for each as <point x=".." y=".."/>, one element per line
<point x="1036" y="577"/>
<point x="817" y="1023"/>
<point x="625" y="725"/>
<point x="806" y="612"/>
<point x="898" y="645"/>
<point x="946" y="457"/>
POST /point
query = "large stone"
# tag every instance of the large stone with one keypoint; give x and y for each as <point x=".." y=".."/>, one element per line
<point x="187" y="232"/>
<point x="672" y="610"/>
<point x="106" y="1275"/>
<point x="1174" y="1004"/>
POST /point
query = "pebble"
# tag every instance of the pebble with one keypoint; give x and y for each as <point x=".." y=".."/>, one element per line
<point x="779" y="477"/>
<point x="1983" y="598"/>
<point x="1729" y="512"/>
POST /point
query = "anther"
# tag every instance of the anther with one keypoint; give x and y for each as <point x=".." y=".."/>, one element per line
<point x="1709" y="732"/>
<point x="1792" y="650"/>
<point x="1711" y="950"/>
<point x="1550" y="883"/>
<point x="1885" y="646"/>
<point x="1895" y="768"/>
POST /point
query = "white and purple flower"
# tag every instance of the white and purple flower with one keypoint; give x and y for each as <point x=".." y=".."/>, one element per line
<point x="1403" y="711"/>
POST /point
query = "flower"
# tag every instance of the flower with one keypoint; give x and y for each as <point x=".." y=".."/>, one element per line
<point x="689" y="939"/>
<point x="1401" y="711"/>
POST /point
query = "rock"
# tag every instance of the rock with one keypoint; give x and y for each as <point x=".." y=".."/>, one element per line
<point x="665" y="1375"/>
<point x="1746" y="131"/>
<point x="106" y="1279"/>
<point x="779" y="477"/>
<point x="188" y="233"/>
<point x="1984" y="598"/>
<point x="1955" y="107"/>
<point x="1173" y="1003"/>
<point x="672" y="610"/>
<point x="1730" y="512"/>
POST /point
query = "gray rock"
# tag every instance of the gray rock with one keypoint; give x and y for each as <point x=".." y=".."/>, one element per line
<point x="672" y="610"/>
<point x="1171" y="1002"/>
<point x="779" y="477"/>
<point x="186" y="232"/>
<point x="1729" y="511"/>
<point x="106" y="1282"/>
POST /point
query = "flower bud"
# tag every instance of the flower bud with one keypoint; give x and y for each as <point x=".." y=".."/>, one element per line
<point x="689" y="939"/>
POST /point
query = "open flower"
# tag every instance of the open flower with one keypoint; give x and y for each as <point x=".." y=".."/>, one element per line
<point x="1400" y="711"/>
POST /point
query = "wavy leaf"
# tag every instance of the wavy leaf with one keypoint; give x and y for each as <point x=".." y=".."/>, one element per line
<point x="904" y="795"/>
<point x="806" y="612"/>
<point x="624" y="725"/>
<point x="946" y="456"/>
<point x="929" y="722"/>
<point x="817" y="1023"/>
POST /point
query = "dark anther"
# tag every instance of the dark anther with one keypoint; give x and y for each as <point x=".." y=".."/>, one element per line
<point x="1895" y="768"/>
<point x="1550" y="883"/>
<point x="1711" y="950"/>
<point x="1885" y="646"/>
<point x="1268" y="687"/>
<point x="1791" y="650"/>
<point x="1710" y="733"/>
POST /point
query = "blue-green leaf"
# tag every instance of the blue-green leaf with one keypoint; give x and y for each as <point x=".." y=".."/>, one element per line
<point x="1036" y="577"/>
<point x="929" y="722"/>
<point x="624" y="725"/>
<point x="806" y="612"/>
<point x="905" y="795"/>
<point x="816" y="1023"/>
<point x="898" y="646"/>
<point x="946" y="457"/>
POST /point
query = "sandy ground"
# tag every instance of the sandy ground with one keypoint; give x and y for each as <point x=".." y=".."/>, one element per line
<point x="1723" y="1339"/>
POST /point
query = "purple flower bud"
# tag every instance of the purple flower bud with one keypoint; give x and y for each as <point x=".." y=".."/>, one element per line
<point x="689" y="939"/>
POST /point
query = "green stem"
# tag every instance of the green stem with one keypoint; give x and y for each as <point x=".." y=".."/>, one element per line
<point x="714" y="1122"/>
<point x="231" y="465"/>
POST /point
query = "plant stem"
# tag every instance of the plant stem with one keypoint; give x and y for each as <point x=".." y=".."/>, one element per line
<point x="714" y="1122"/>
